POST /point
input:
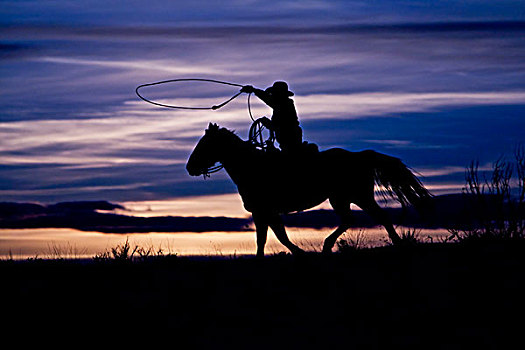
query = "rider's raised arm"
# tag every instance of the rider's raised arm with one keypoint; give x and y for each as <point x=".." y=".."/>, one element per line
<point x="264" y="96"/>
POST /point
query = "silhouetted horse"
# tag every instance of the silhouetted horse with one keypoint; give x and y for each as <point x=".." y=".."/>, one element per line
<point x="272" y="184"/>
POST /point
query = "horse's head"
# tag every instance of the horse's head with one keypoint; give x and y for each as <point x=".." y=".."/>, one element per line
<point x="205" y="154"/>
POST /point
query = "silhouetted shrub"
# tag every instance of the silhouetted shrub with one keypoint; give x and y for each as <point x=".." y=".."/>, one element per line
<point x="350" y="243"/>
<point x="410" y="236"/>
<point x="497" y="201"/>
<point x="127" y="253"/>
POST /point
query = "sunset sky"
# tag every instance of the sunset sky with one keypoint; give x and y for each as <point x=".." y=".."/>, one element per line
<point x="436" y="83"/>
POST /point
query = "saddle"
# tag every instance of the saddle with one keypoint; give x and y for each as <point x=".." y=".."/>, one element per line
<point x="267" y="146"/>
<point x="301" y="154"/>
<point x="310" y="147"/>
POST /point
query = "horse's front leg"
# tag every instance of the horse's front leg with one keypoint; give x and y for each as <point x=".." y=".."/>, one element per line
<point x="277" y="225"/>
<point x="261" y="228"/>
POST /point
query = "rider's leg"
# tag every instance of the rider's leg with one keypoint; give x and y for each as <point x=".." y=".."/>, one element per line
<point x="290" y="139"/>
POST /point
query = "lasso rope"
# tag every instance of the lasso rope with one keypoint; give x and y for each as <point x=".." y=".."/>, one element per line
<point x="188" y="79"/>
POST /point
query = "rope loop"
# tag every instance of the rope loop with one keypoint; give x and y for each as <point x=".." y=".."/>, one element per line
<point x="187" y="79"/>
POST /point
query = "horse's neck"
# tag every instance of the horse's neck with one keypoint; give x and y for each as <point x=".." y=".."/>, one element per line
<point x="235" y="159"/>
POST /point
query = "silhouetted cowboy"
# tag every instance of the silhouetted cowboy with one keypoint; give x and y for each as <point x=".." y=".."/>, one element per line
<point x="284" y="121"/>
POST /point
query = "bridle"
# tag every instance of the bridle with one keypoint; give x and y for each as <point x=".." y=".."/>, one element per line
<point x="213" y="169"/>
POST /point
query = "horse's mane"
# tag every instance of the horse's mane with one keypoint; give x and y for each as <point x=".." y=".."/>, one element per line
<point x="235" y="140"/>
<point x="228" y="133"/>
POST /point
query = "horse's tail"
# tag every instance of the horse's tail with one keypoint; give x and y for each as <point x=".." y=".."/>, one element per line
<point x="397" y="181"/>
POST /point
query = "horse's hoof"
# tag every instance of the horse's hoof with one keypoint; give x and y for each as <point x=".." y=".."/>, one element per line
<point x="397" y="242"/>
<point x="327" y="249"/>
<point x="298" y="252"/>
<point x="327" y="252"/>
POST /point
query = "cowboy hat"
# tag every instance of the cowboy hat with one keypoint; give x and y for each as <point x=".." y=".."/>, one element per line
<point x="279" y="88"/>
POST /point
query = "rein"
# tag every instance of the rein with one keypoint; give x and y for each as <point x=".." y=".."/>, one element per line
<point x="213" y="169"/>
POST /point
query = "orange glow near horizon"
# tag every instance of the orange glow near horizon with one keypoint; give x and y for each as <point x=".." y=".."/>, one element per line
<point x="53" y="243"/>
<point x="229" y="205"/>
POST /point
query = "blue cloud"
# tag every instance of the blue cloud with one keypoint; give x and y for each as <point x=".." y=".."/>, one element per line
<point x="73" y="129"/>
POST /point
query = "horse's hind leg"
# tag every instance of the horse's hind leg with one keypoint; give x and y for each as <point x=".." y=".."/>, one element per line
<point x="373" y="209"/>
<point x="277" y="226"/>
<point x="341" y="208"/>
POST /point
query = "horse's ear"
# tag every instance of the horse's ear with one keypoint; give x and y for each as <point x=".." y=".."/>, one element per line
<point x="212" y="127"/>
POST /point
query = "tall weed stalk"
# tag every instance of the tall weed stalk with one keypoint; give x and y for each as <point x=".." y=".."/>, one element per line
<point x="496" y="199"/>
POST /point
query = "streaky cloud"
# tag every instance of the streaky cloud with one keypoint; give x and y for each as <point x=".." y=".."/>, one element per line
<point x="226" y="30"/>
<point x="87" y="216"/>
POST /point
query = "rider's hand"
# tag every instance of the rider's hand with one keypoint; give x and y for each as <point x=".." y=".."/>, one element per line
<point x="266" y="122"/>
<point x="247" y="88"/>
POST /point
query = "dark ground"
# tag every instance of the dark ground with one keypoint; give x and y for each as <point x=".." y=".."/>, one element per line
<point x="430" y="296"/>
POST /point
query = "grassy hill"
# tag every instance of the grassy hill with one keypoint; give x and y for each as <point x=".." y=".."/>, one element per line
<point x="447" y="296"/>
